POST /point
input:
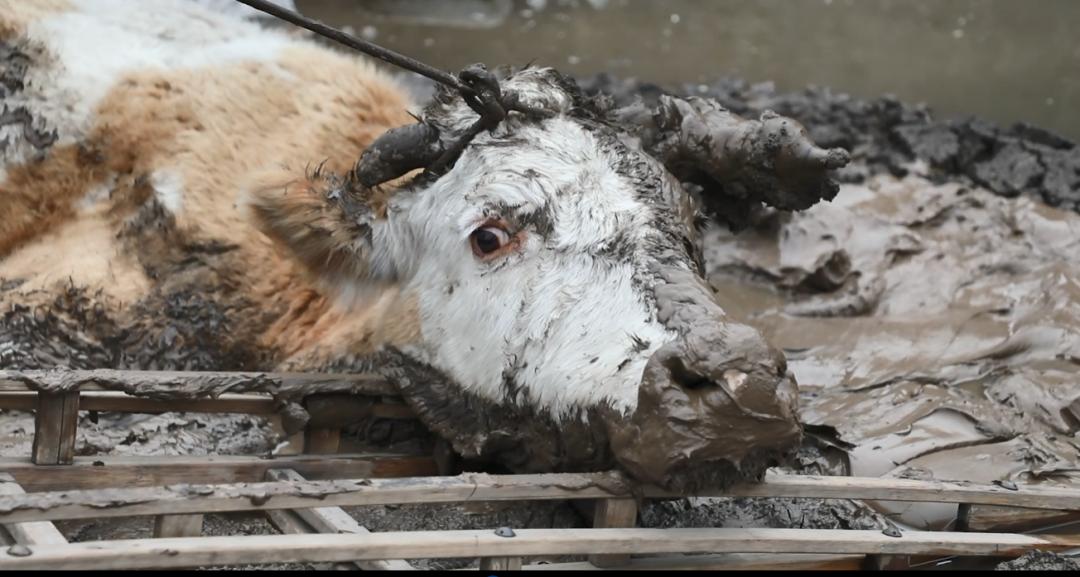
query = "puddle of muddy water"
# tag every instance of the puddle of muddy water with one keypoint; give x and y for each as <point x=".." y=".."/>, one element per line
<point x="1004" y="60"/>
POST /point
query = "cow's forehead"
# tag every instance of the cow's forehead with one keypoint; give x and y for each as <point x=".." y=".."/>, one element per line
<point x="537" y="88"/>
<point x="560" y="178"/>
<point x="576" y="179"/>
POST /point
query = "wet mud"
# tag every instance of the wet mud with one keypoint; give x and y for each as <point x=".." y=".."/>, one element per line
<point x="931" y="310"/>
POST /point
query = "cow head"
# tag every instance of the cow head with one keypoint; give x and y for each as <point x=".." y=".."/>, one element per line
<point x="556" y="281"/>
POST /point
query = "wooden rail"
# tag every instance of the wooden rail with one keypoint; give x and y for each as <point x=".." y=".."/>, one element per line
<point x="303" y="494"/>
<point x="130" y="473"/>
<point x="327" y="520"/>
<point x="723" y="562"/>
<point x="200" y="551"/>
<point x="246" y="404"/>
<point x="192" y="384"/>
<point x="473" y="487"/>
<point x="33" y="533"/>
<point x="326" y="402"/>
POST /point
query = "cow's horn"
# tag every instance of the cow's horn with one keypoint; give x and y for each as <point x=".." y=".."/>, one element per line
<point x="397" y="152"/>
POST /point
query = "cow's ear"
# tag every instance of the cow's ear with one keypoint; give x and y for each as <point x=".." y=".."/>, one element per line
<point x="324" y="222"/>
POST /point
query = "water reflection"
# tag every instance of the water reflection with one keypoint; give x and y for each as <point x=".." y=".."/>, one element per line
<point x="1005" y="60"/>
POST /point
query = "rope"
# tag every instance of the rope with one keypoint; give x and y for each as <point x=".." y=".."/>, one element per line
<point x="369" y="48"/>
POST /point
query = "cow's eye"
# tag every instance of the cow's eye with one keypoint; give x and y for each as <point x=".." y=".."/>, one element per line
<point x="487" y="240"/>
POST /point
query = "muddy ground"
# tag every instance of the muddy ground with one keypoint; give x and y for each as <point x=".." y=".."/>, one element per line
<point x="931" y="314"/>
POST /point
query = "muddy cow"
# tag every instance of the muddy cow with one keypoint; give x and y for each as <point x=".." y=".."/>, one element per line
<point x="180" y="190"/>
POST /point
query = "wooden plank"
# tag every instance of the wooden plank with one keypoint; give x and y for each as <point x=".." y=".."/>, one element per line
<point x="288" y="522"/>
<point x="34" y="533"/>
<point x="248" y="495"/>
<point x="888" y="489"/>
<point x="191" y="384"/>
<point x="20" y="401"/>
<point x="335" y="520"/>
<point x="996" y="519"/>
<point x="500" y="564"/>
<point x="134" y="472"/>
<point x="251" y="495"/>
<point x="963" y="517"/>
<point x="723" y="562"/>
<point x="335" y="411"/>
<point x="202" y="551"/>
<point x="110" y="401"/>
<point x="246" y="403"/>
<point x="611" y="514"/>
<point x="323" y="441"/>
<point x="293" y="445"/>
<point x="56" y="422"/>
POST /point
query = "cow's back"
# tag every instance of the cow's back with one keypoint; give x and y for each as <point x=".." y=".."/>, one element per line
<point x="140" y="127"/>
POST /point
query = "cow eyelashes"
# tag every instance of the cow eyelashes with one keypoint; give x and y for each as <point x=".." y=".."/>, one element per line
<point x="488" y="241"/>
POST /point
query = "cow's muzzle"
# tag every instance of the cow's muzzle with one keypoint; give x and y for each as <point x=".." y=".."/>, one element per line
<point x="716" y="405"/>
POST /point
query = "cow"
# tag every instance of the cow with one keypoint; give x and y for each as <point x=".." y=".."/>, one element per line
<point x="181" y="190"/>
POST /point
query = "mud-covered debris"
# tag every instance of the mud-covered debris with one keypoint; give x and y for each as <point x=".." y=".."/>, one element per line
<point x="771" y="512"/>
<point x="1041" y="561"/>
<point x="960" y="349"/>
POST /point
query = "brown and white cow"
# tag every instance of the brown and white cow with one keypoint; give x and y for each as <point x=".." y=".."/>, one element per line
<point x="177" y="192"/>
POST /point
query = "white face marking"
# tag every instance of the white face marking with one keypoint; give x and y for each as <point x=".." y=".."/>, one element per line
<point x="552" y="313"/>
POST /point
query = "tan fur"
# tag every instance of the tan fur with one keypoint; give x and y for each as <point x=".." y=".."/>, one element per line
<point x="322" y="333"/>
<point x="18" y="13"/>
<point x="295" y="213"/>
<point x="39" y="196"/>
<point x="215" y="129"/>
<point x="82" y="251"/>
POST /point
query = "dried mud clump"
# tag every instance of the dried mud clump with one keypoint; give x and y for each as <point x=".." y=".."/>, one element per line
<point x="886" y="135"/>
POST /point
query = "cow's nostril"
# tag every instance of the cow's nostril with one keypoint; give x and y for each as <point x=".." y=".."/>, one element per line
<point x="684" y="377"/>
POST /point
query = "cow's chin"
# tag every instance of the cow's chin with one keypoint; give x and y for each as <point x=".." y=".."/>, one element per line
<point x="693" y="439"/>
<point x="685" y="440"/>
